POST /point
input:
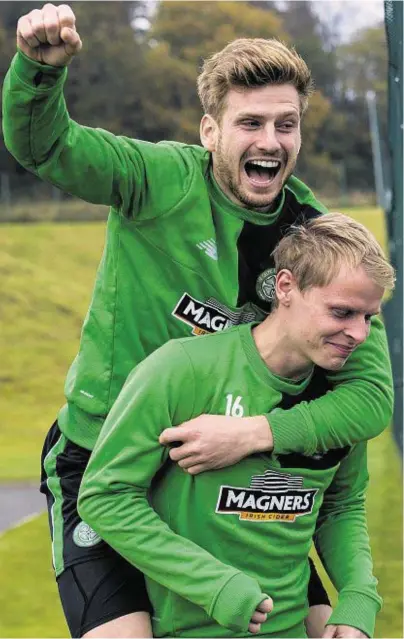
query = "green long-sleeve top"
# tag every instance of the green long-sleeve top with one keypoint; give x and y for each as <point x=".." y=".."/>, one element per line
<point x="212" y="544"/>
<point x="180" y="259"/>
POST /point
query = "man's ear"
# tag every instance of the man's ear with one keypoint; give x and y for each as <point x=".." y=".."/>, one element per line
<point x="209" y="133"/>
<point x="285" y="283"/>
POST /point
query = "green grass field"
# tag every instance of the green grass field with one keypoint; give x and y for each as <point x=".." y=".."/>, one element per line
<point x="46" y="277"/>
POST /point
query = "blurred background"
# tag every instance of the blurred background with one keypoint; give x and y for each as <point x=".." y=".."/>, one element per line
<point x="136" y="76"/>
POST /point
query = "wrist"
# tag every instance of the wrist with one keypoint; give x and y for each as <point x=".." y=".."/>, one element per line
<point x="260" y="440"/>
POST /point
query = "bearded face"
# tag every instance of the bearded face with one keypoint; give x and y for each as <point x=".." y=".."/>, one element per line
<point x="256" y="144"/>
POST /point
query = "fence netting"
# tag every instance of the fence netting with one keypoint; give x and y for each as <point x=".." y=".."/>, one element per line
<point x="393" y="11"/>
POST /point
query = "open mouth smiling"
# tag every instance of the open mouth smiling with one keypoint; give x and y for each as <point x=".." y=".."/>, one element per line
<point x="262" y="172"/>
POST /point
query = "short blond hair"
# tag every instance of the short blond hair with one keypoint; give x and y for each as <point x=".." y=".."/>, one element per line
<point x="248" y="63"/>
<point x="315" y="251"/>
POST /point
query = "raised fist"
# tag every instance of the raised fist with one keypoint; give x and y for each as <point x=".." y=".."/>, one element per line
<point x="49" y="35"/>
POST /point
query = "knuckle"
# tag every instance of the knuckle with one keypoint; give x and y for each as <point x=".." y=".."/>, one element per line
<point x="49" y="9"/>
<point x="67" y="21"/>
<point x="194" y="470"/>
<point x="51" y="26"/>
<point x="23" y="21"/>
<point x="196" y="447"/>
<point x="67" y="12"/>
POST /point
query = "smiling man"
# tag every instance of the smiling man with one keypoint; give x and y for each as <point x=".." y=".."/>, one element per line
<point x="254" y="136"/>
<point x="188" y="251"/>
<point x="213" y="545"/>
<point x="244" y="169"/>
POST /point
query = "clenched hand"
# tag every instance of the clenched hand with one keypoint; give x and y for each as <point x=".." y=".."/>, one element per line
<point x="49" y="35"/>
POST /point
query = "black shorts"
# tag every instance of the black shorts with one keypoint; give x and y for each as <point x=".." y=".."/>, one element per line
<point x="317" y="594"/>
<point x="95" y="583"/>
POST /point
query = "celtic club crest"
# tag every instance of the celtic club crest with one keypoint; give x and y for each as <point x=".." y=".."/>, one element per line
<point x="84" y="536"/>
<point x="265" y="286"/>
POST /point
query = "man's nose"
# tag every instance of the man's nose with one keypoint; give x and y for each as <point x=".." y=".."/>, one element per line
<point x="358" y="330"/>
<point x="267" y="139"/>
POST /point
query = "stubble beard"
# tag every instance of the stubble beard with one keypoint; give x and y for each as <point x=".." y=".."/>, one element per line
<point x="225" y="177"/>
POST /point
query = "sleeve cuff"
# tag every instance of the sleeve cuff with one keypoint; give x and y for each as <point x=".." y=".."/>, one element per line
<point x="236" y="602"/>
<point x="358" y="611"/>
<point x="37" y="76"/>
<point x="290" y="432"/>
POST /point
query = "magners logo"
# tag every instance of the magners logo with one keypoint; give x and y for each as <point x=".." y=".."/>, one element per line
<point x="210" y="316"/>
<point x="272" y="496"/>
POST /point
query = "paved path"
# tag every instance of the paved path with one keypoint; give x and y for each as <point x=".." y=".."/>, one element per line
<point x="18" y="501"/>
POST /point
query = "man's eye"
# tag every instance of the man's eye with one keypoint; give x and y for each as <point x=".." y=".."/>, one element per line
<point x="286" y="125"/>
<point x="250" y="124"/>
<point x="340" y="313"/>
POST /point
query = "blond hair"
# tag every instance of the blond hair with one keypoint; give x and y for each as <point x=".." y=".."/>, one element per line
<point x="248" y="63"/>
<point x="316" y="250"/>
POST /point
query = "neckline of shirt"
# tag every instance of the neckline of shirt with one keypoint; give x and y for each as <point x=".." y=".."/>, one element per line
<point x="282" y="384"/>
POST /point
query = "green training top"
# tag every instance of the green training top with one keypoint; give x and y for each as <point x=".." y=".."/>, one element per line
<point x="180" y="259"/>
<point x="212" y="544"/>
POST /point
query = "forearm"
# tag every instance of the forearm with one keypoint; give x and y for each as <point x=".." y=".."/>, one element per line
<point x="31" y="88"/>
<point x="226" y="594"/>
<point x="343" y="545"/>
<point x="357" y="409"/>
<point x="39" y="133"/>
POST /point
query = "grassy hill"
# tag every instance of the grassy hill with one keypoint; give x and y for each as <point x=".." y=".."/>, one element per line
<point x="46" y="277"/>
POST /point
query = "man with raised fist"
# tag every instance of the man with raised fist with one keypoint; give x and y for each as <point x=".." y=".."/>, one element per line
<point x="188" y="251"/>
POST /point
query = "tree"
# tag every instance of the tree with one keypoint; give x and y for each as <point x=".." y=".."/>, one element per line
<point x="310" y="37"/>
<point x="182" y="35"/>
<point x="197" y="29"/>
<point x="362" y="67"/>
<point x="106" y="79"/>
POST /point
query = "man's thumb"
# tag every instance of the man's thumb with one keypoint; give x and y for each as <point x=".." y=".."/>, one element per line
<point x="170" y="435"/>
<point x="329" y="631"/>
<point x="71" y="40"/>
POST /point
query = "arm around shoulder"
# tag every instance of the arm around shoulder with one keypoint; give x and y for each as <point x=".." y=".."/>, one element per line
<point x="358" y="408"/>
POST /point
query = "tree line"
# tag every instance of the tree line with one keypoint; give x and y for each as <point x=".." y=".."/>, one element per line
<point x="136" y="76"/>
